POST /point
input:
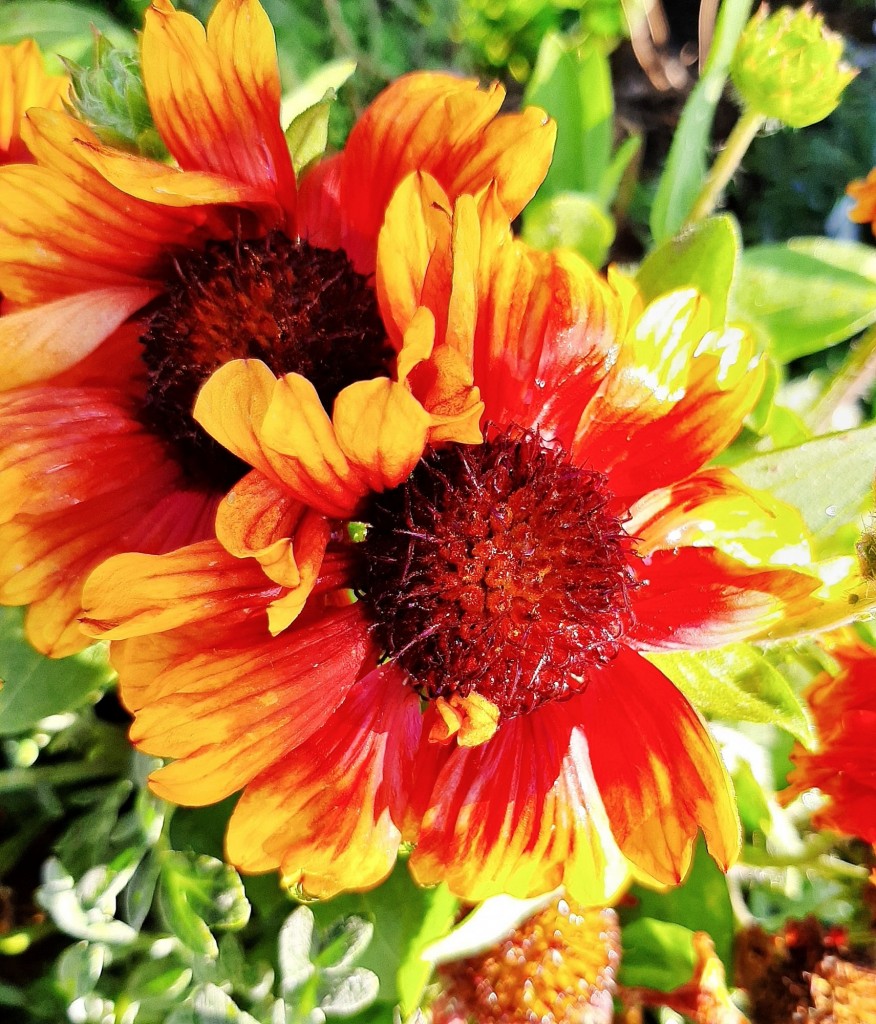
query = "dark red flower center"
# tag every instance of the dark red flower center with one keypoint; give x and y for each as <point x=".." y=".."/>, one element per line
<point x="298" y="308"/>
<point x="498" y="568"/>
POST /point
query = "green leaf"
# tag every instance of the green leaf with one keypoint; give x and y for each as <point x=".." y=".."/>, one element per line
<point x="350" y="994"/>
<point x="736" y="683"/>
<point x="60" y="28"/>
<point x="326" y="79"/>
<point x="79" y="968"/>
<point x="700" y="903"/>
<point x="685" y="169"/>
<point x="657" y="954"/>
<point x="34" y="686"/>
<point x="571" y="220"/>
<point x="294" y="947"/>
<point x="307" y="135"/>
<point x="85" y="909"/>
<point x="829" y="479"/>
<point x="847" y="255"/>
<point x="801" y="304"/>
<point x="198" y="893"/>
<point x="210" y="1005"/>
<point x="572" y="82"/>
<point x="702" y="257"/>
<point x="406" y="919"/>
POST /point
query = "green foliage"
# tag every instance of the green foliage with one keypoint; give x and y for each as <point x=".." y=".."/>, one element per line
<point x="685" y="169"/>
<point x="60" y="28"/>
<point x="34" y="686"/>
<point x="800" y="303"/>
<point x="572" y="82"/>
<point x="658" y="927"/>
<point x="736" y="683"/>
<point x="110" y="96"/>
<point x="829" y="479"/>
<point x="703" y="257"/>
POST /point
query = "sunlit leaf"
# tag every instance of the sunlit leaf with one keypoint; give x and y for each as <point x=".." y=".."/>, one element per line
<point x="657" y="954"/>
<point x="829" y="479"/>
<point x="59" y="28"/>
<point x="198" y="894"/>
<point x="702" y="257"/>
<point x="570" y="220"/>
<point x="34" y="686"/>
<point x="736" y="683"/>
<point x="800" y="303"/>
<point x="572" y="82"/>
<point x="307" y="135"/>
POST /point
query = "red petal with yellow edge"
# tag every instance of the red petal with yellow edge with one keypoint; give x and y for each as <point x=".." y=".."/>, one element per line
<point x="659" y="774"/>
<point x="231" y="712"/>
<point x="132" y="594"/>
<point x="444" y="126"/>
<point x="519" y="814"/>
<point x="697" y="598"/>
<point x="714" y="508"/>
<point x="24" y="84"/>
<point x="215" y="96"/>
<point x="43" y="342"/>
<point x="327" y="814"/>
<point x="676" y="397"/>
<point x="68" y="500"/>
<point x="547" y="331"/>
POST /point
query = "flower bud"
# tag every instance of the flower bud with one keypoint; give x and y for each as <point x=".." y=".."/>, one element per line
<point x="111" y="98"/>
<point x="788" y="66"/>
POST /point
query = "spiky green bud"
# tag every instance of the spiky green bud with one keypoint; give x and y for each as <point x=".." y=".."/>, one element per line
<point x="788" y="66"/>
<point x="109" y="95"/>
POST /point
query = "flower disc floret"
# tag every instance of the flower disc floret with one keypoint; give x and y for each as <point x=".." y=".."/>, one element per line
<point x="499" y="569"/>
<point x="296" y="307"/>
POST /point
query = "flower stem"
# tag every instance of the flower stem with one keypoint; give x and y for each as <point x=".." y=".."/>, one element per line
<point x="854" y="378"/>
<point x="730" y="157"/>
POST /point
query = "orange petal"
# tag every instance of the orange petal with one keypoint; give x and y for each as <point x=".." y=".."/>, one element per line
<point x="382" y="430"/>
<point x="439" y="124"/>
<point x="228" y="713"/>
<point x="231" y="407"/>
<point x="66" y="229"/>
<point x="519" y="814"/>
<point x="215" y="95"/>
<point x="314" y="466"/>
<point x="133" y="594"/>
<point x="257" y="519"/>
<point x="68" y="499"/>
<point x="664" y="781"/>
<point x="326" y="814"/>
<point x="42" y="342"/>
<point x="24" y="84"/>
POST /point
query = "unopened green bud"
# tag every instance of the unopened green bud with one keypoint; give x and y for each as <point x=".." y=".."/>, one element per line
<point x="788" y="66"/>
<point x="110" y="96"/>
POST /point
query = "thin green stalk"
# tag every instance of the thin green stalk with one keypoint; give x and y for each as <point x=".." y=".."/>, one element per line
<point x="854" y="378"/>
<point x="730" y="157"/>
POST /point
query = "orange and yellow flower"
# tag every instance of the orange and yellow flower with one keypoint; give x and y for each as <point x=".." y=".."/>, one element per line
<point x="24" y="83"/>
<point x="864" y="194"/>
<point x="456" y="660"/>
<point x="843" y="767"/>
<point x="127" y="281"/>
